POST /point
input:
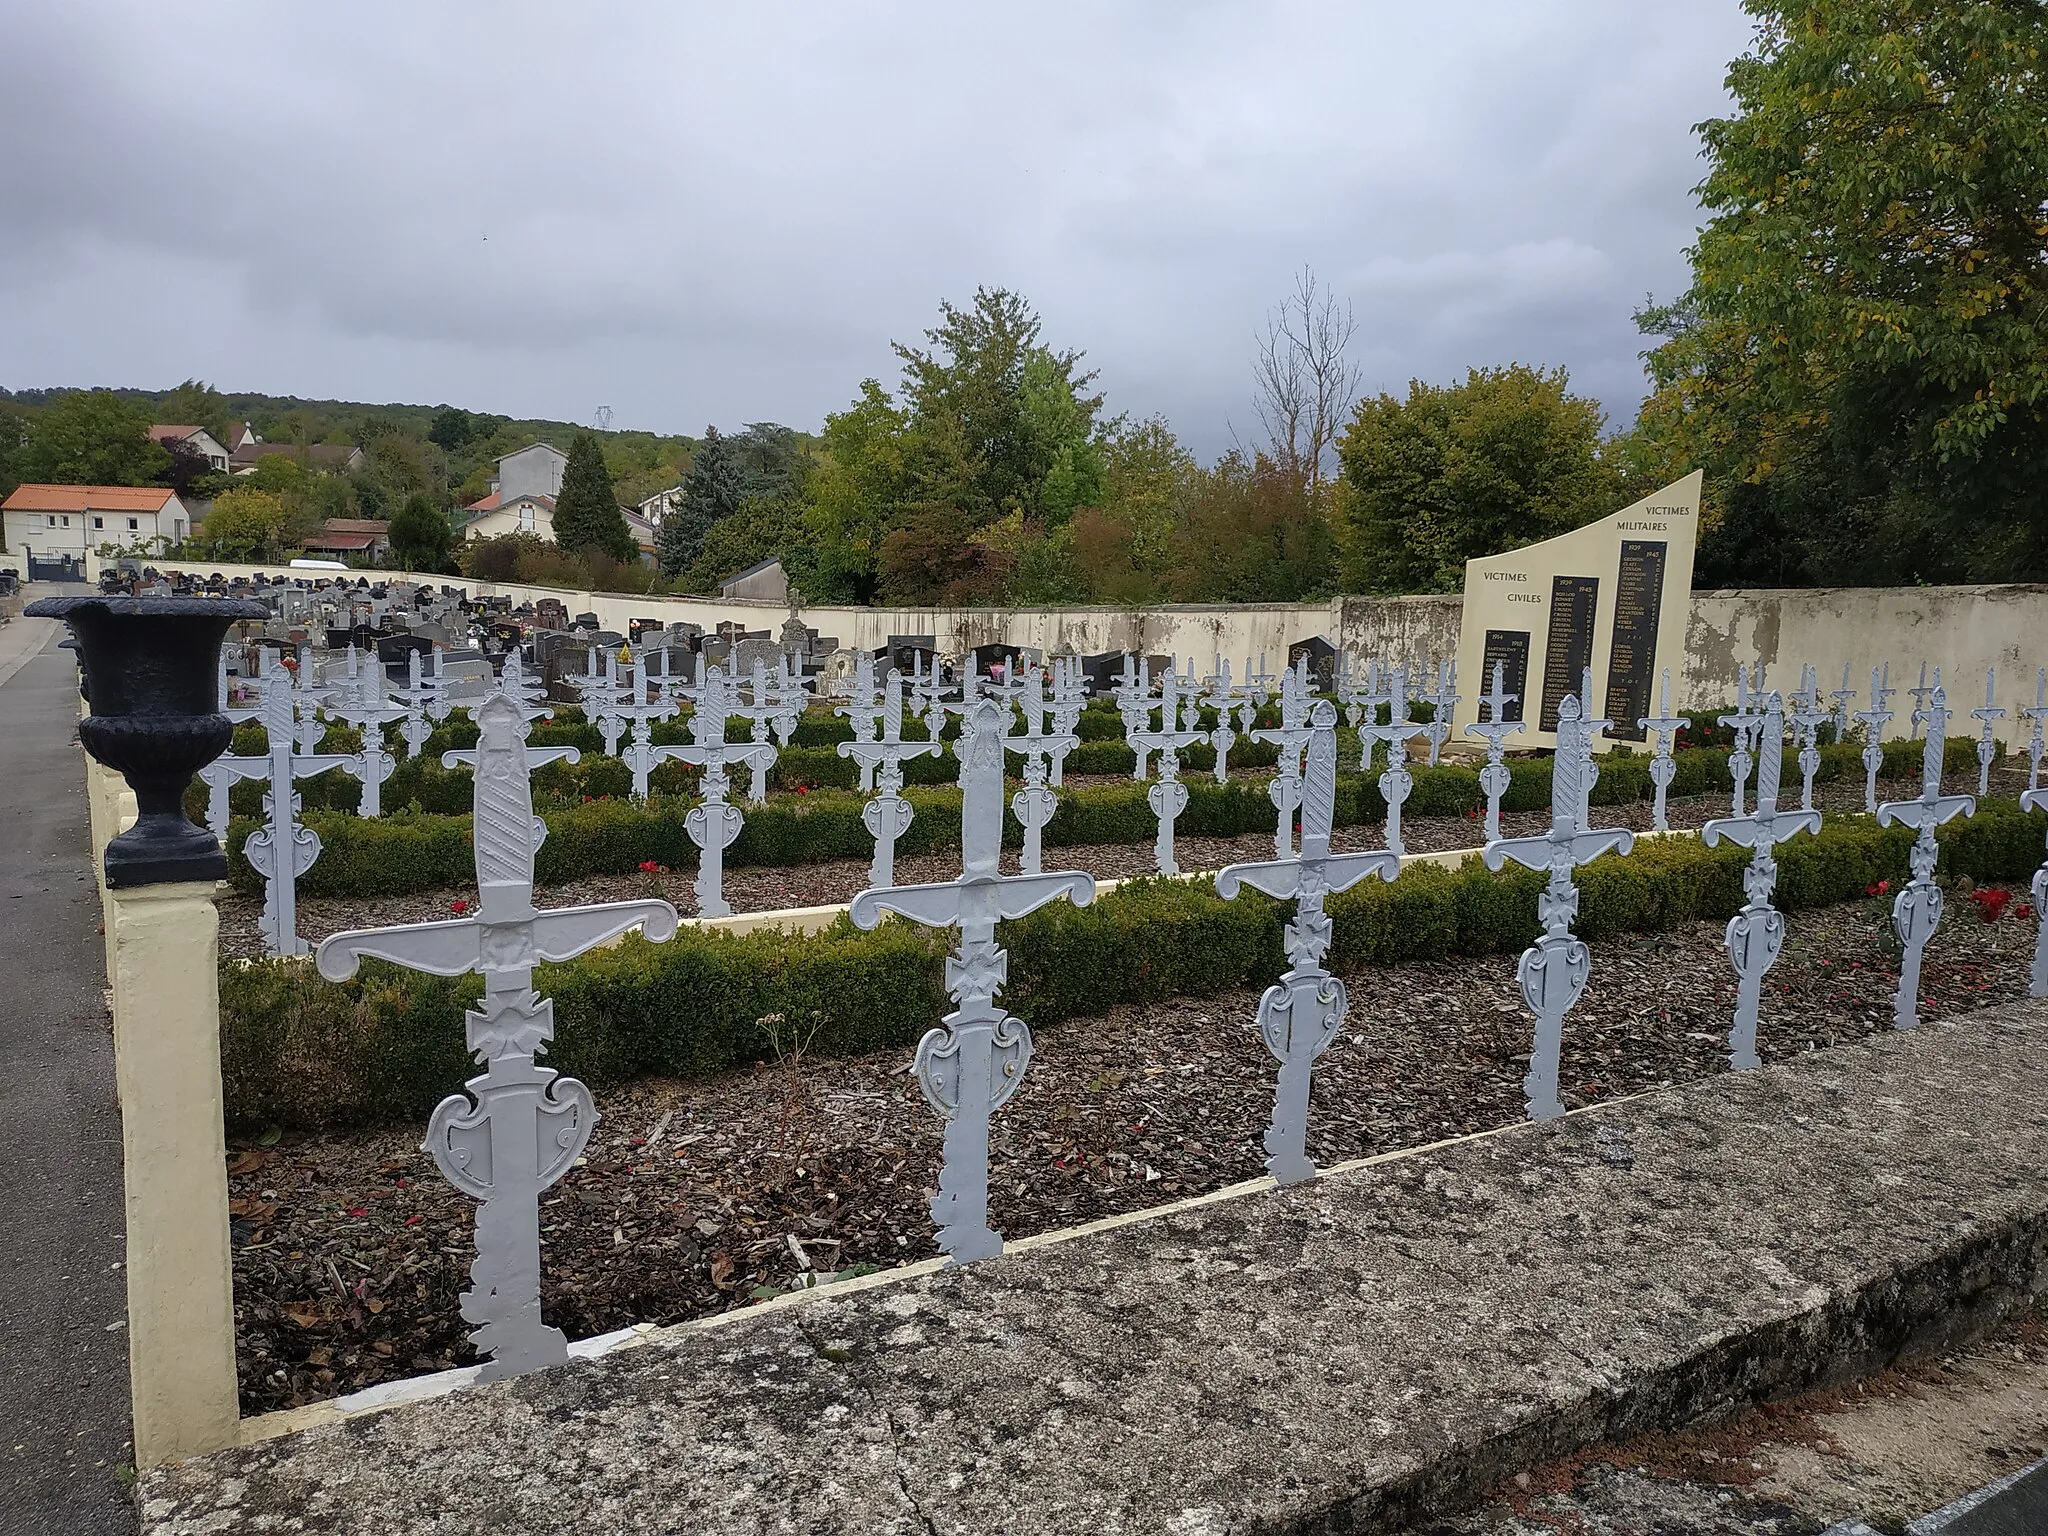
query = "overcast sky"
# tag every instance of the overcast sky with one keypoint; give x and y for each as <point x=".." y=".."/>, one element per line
<point x="724" y="213"/>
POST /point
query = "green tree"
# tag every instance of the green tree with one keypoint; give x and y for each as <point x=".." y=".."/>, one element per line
<point x="1251" y="531"/>
<point x="761" y="528"/>
<point x="711" y="492"/>
<point x="857" y="493"/>
<point x="245" y="524"/>
<point x="1506" y="458"/>
<point x="587" y="515"/>
<point x="1860" y="361"/>
<point x="91" y="438"/>
<point x="197" y="403"/>
<point x="420" y="534"/>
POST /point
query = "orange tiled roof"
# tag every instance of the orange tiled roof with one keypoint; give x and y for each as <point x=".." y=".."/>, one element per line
<point x="163" y="434"/>
<point x="88" y="498"/>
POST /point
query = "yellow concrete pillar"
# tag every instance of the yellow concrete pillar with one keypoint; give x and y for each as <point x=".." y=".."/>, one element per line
<point x="181" y="1316"/>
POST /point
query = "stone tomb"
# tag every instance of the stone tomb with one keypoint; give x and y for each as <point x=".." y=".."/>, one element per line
<point x="1613" y="596"/>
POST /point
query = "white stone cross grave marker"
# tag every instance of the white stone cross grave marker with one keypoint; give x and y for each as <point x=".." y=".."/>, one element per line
<point x="1663" y="727"/>
<point x="1756" y="934"/>
<point x="1362" y="702"/>
<point x="1874" y="720"/>
<point x="418" y="695"/>
<point x="1494" y="778"/>
<point x="974" y="1061"/>
<point x="1397" y="783"/>
<point x="1069" y="694"/>
<point x="761" y="707"/>
<point x="1043" y="751"/>
<point x="1916" y="910"/>
<point x="1179" y="729"/>
<point x="713" y="823"/>
<point x="1988" y="716"/>
<point x="520" y="1126"/>
<point x="888" y="815"/>
<point x="530" y="694"/>
<point x="791" y="696"/>
<point x="1920" y="694"/>
<point x="1300" y="1015"/>
<point x="1554" y="969"/>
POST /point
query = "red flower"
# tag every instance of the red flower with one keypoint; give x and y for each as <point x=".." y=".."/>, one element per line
<point x="1991" y="903"/>
<point x="1882" y="888"/>
<point x="649" y="867"/>
<point x="458" y="906"/>
<point x="2023" y="910"/>
<point x="802" y="790"/>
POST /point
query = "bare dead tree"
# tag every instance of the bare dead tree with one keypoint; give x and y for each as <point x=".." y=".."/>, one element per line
<point x="1305" y="383"/>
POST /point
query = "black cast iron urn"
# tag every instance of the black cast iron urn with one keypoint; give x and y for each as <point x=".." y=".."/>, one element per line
<point x="152" y="672"/>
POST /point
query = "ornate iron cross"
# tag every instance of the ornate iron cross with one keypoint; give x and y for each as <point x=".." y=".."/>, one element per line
<point x="1920" y="698"/>
<point x="1291" y="736"/>
<point x="641" y="707"/>
<point x="973" y="1062"/>
<point x="1133" y="695"/>
<point x="1443" y="703"/>
<point x="2037" y="981"/>
<point x="791" y="696"/>
<point x="1756" y="934"/>
<point x="282" y="849"/>
<point x="1744" y="723"/>
<point x="362" y="703"/>
<point x="762" y="708"/>
<point x="712" y="823"/>
<point x="864" y="711"/>
<point x="1988" y="716"/>
<point x="1222" y="698"/>
<point x="1035" y="804"/>
<point x="1179" y="729"/>
<point x="1494" y="778"/>
<point x="2036" y="717"/>
<point x="887" y="816"/>
<point x="1874" y="720"/>
<point x="1069" y="697"/>
<point x="603" y="693"/>
<point x="308" y="694"/>
<point x="1916" y="910"/>
<point x="520" y="1126"/>
<point x="1300" y="1015"/>
<point x="1808" y="716"/>
<point x="1397" y="782"/>
<point x="1843" y="696"/>
<point x="530" y="694"/>
<point x="1554" y="969"/>
<point x="1362" y="703"/>
<point x="1662" y="727"/>
<point x="417" y="696"/>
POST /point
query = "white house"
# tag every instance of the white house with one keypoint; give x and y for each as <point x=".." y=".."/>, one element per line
<point x="216" y="455"/>
<point x="55" y="522"/>
<point x="535" y="470"/>
<point x="659" y="505"/>
<point x="495" y="516"/>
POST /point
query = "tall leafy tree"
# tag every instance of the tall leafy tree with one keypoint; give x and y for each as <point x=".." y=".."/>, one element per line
<point x="91" y="438"/>
<point x="420" y="535"/>
<point x="587" y="515"/>
<point x="197" y="403"/>
<point x="1861" y="362"/>
<point x="1506" y="458"/>
<point x="711" y="491"/>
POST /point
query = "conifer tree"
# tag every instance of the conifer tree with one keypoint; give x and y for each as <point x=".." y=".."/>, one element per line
<point x="711" y="492"/>
<point x="587" y="515"/>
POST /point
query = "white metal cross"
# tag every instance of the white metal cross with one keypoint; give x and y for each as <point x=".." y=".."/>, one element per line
<point x="1300" y="1015"/>
<point x="1874" y="720"/>
<point x="1291" y="736"/>
<point x="2037" y="718"/>
<point x="1495" y="728"/>
<point x="1179" y="729"/>
<point x="1443" y="701"/>
<point x="974" y="1061"/>
<point x="520" y="1126"/>
<point x="1744" y="723"/>
<point x="713" y="824"/>
<point x="1663" y="727"/>
<point x="1808" y="715"/>
<point x="1988" y="716"/>
<point x="1397" y="782"/>
<point x="1043" y="752"/>
<point x="887" y="816"/>
<point x="1916" y="910"/>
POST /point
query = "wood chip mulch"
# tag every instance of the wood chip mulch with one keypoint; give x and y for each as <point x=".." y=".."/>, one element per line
<point x="698" y="1197"/>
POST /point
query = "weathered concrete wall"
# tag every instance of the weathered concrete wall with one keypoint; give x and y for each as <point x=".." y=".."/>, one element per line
<point x="1964" y="630"/>
<point x="1345" y="1355"/>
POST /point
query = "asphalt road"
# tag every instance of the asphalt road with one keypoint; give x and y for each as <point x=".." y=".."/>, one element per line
<point x="64" y="1445"/>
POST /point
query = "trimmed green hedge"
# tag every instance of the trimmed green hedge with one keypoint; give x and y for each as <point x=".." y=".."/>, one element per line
<point x="298" y="1051"/>
<point x="594" y="829"/>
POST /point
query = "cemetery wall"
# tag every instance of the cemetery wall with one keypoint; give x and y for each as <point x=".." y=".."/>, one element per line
<point x="1963" y="629"/>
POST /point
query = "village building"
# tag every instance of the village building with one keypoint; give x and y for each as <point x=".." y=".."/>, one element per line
<point x="217" y="455"/>
<point x="54" y="527"/>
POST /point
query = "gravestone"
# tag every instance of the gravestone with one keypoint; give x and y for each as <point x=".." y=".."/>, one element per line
<point x="1916" y="910"/>
<point x="1321" y="659"/>
<point x="1613" y="596"/>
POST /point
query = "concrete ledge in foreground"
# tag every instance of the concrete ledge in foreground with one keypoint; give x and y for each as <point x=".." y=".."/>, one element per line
<point x="1339" y="1357"/>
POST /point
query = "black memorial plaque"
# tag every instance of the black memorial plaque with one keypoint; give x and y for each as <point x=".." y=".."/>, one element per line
<point x="1510" y="648"/>
<point x="1569" y="650"/>
<point x="1632" y="655"/>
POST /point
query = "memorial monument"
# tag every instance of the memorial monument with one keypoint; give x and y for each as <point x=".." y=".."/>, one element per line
<point x="1613" y="596"/>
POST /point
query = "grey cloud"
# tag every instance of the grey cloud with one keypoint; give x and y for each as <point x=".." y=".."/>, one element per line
<point x="719" y="213"/>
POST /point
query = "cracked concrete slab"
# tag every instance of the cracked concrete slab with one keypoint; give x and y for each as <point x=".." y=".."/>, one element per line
<point x="1346" y="1355"/>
